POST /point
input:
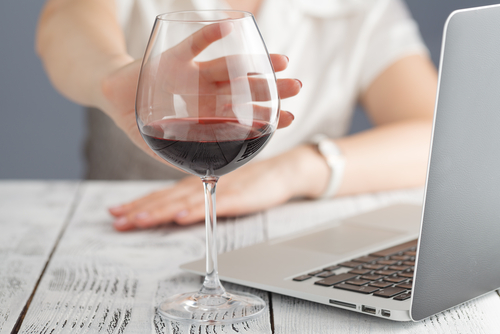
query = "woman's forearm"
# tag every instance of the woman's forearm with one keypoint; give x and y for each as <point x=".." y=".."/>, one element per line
<point x="386" y="157"/>
<point x="80" y="42"/>
<point x="383" y="158"/>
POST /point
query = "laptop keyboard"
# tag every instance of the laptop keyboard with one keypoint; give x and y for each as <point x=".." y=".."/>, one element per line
<point x="387" y="273"/>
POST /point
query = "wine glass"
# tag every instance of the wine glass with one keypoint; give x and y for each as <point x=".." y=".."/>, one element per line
<point x="207" y="103"/>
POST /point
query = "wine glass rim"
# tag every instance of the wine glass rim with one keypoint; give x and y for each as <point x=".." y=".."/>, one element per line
<point x="165" y="16"/>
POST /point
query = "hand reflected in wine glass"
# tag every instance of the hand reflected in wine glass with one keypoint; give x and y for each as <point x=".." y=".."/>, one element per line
<point x="207" y="103"/>
<point x="120" y="88"/>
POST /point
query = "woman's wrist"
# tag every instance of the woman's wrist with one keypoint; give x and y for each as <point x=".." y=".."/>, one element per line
<point x="335" y="161"/>
<point x="106" y="80"/>
<point x="309" y="172"/>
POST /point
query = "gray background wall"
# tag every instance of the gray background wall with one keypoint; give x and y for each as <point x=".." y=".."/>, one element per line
<point x="42" y="134"/>
<point x="40" y="131"/>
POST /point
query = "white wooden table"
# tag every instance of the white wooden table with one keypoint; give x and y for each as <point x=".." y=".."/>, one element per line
<point x="63" y="269"/>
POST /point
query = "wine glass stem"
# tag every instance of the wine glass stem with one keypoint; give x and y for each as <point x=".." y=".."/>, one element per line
<point x="211" y="285"/>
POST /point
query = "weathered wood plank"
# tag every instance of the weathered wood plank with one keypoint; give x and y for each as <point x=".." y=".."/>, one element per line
<point x="298" y="316"/>
<point x="32" y="214"/>
<point x="102" y="281"/>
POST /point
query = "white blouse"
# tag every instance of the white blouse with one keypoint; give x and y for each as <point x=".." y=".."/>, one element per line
<point x="336" y="49"/>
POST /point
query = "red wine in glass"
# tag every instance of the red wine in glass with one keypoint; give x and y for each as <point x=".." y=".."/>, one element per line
<point x="210" y="146"/>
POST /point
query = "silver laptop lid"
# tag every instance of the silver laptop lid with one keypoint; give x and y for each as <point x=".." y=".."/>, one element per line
<point x="457" y="259"/>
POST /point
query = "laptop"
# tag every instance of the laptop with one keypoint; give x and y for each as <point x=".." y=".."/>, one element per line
<point x="407" y="262"/>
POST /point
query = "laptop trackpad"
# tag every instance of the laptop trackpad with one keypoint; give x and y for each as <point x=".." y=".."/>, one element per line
<point x="341" y="239"/>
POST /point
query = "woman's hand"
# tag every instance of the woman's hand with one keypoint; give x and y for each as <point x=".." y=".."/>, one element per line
<point x="119" y="89"/>
<point x="179" y="70"/>
<point x="251" y="188"/>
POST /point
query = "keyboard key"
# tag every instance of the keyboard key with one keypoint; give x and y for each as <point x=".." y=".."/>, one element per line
<point x="396" y="249"/>
<point x="407" y="285"/>
<point x="335" y="279"/>
<point x="407" y="274"/>
<point x="325" y="274"/>
<point x="398" y="268"/>
<point x="372" y="277"/>
<point x="314" y="273"/>
<point x="360" y="271"/>
<point x="403" y="296"/>
<point x="357" y="281"/>
<point x="373" y="266"/>
<point x="385" y="272"/>
<point x="361" y="289"/>
<point x="302" y="278"/>
<point x="388" y="292"/>
<point x="380" y="284"/>
<point x="395" y="279"/>
<point x="401" y="257"/>
<point x="331" y="268"/>
<point x="409" y="263"/>
<point x="350" y="264"/>
<point x="410" y="253"/>
<point x="387" y="262"/>
<point x="365" y="259"/>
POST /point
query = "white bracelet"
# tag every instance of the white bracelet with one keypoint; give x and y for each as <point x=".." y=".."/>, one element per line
<point x="336" y="163"/>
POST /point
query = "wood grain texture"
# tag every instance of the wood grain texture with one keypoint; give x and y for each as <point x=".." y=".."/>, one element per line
<point x="102" y="281"/>
<point x="32" y="215"/>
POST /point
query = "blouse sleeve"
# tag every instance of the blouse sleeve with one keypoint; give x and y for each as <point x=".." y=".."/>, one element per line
<point x="393" y="34"/>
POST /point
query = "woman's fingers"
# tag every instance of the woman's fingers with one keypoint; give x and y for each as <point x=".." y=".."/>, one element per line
<point x="200" y="40"/>
<point x="160" y="207"/>
<point x="258" y="87"/>
<point x="160" y="212"/>
<point x="217" y="69"/>
<point x="288" y="87"/>
<point x="286" y="118"/>
<point x="280" y="62"/>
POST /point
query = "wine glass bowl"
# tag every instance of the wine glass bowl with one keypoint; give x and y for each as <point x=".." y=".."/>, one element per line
<point x="207" y="102"/>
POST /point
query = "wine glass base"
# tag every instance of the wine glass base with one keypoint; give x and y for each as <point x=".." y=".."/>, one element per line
<point x="202" y="309"/>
